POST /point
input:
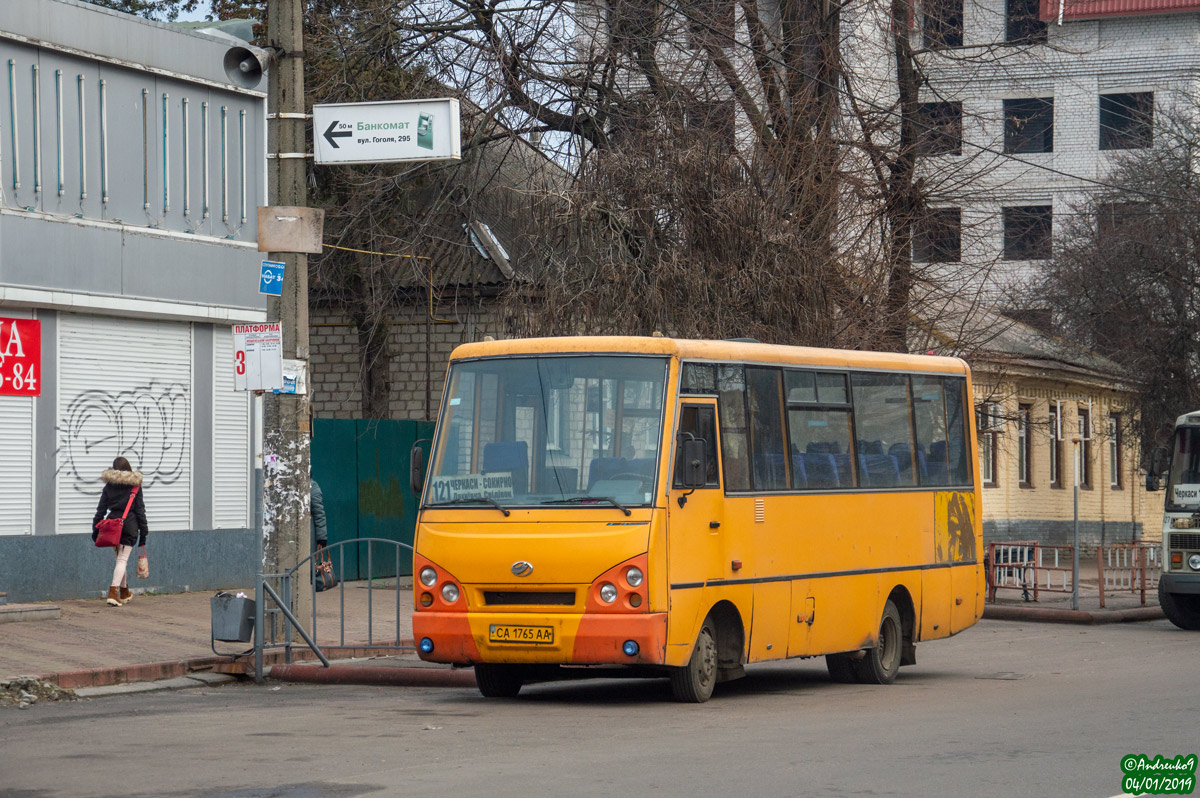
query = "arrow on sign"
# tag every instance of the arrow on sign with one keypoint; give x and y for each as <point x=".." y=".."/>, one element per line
<point x="331" y="137"/>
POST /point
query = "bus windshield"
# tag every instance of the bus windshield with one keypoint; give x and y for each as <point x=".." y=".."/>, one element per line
<point x="1183" y="487"/>
<point x="554" y="430"/>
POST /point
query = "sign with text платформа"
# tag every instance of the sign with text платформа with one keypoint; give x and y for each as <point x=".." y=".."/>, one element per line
<point x="387" y="132"/>
<point x="20" y="357"/>
<point x="258" y="356"/>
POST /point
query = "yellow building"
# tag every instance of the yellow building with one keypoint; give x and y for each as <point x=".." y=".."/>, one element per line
<point x="1046" y="410"/>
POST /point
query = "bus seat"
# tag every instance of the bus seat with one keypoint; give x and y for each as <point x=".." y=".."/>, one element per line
<point x="844" y="473"/>
<point x="937" y="474"/>
<point x="558" y="478"/>
<point x="882" y="471"/>
<point x="799" y="475"/>
<point x="769" y="471"/>
<point x="939" y="470"/>
<point x="903" y="454"/>
<point x="643" y="466"/>
<point x="820" y="469"/>
<point x="870" y="447"/>
<point x="605" y="467"/>
<point x="824" y="447"/>
<point x="511" y="456"/>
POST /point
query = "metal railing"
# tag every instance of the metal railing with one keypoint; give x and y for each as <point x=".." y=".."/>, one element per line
<point x="1030" y="567"/>
<point x="274" y="625"/>
<point x="1128" y="568"/>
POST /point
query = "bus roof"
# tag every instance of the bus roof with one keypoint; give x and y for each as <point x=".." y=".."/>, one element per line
<point x="698" y="349"/>
<point x="1188" y="419"/>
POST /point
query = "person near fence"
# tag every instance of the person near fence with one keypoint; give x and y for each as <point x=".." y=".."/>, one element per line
<point x="119" y="482"/>
<point x="316" y="515"/>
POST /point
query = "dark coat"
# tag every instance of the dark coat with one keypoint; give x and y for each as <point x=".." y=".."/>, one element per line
<point x="114" y="497"/>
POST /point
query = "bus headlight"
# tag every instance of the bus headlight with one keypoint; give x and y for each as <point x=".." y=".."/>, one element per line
<point x="634" y="576"/>
<point x="608" y="592"/>
<point x="1194" y="562"/>
<point x="450" y="592"/>
<point x="428" y="576"/>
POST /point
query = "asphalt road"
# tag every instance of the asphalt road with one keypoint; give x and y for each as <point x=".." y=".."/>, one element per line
<point x="1005" y="709"/>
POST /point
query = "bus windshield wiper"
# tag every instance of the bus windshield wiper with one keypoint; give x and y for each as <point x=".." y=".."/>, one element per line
<point x="475" y="500"/>
<point x="587" y="499"/>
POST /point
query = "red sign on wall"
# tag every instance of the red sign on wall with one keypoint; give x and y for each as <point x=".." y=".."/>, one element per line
<point x="20" y="357"/>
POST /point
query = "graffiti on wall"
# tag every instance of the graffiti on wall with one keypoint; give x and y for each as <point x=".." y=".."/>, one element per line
<point x="147" y="425"/>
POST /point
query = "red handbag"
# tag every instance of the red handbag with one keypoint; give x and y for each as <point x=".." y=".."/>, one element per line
<point x="108" y="531"/>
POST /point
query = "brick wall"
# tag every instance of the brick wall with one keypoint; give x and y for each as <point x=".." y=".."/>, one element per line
<point x="336" y="378"/>
<point x="1042" y="511"/>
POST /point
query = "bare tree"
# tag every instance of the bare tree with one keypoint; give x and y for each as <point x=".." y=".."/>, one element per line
<point x="1125" y="278"/>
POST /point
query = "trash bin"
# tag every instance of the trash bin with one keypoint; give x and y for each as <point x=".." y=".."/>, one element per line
<point x="232" y="618"/>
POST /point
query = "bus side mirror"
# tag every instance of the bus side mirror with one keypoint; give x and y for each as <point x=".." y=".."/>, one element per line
<point x="1160" y="461"/>
<point x="416" y="469"/>
<point x="695" y="463"/>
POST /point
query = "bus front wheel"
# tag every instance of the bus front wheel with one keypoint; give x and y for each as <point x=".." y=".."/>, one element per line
<point x="1180" y="609"/>
<point x="499" y="681"/>
<point x="693" y="683"/>
<point x="880" y="665"/>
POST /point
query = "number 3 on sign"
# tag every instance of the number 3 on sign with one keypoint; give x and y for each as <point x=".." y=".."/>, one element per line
<point x="240" y="357"/>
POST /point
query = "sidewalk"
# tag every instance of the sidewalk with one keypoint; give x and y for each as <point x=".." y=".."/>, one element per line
<point x="158" y="637"/>
<point x="1119" y="606"/>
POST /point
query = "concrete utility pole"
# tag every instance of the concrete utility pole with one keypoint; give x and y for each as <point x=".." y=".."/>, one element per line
<point x="286" y="420"/>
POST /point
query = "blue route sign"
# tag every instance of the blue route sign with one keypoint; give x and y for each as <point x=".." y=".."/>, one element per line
<point x="271" y="281"/>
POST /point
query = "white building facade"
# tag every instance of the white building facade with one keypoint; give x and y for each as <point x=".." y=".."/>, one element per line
<point x="130" y="170"/>
<point x="1034" y="103"/>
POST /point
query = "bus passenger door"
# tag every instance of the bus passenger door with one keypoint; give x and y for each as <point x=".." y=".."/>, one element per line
<point x="697" y="541"/>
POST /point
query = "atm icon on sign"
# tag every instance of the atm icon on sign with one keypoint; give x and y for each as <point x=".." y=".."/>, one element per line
<point x="271" y="281"/>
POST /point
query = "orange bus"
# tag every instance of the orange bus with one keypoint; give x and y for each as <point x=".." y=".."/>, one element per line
<point x="685" y="507"/>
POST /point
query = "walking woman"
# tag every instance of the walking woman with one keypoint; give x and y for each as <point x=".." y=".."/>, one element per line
<point x="120" y="482"/>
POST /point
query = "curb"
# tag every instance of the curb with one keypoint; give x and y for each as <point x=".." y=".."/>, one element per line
<point x="178" y="683"/>
<point x="365" y="674"/>
<point x="174" y="669"/>
<point x="1045" y="615"/>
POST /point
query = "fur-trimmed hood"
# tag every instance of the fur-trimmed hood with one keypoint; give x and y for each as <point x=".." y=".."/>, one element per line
<point x="115" y="477"/>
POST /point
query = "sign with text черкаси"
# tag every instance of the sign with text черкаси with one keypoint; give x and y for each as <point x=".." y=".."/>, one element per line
<point x="387" y="132"/>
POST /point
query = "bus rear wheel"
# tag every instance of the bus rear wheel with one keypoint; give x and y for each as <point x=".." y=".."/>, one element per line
<point x="1181" y="609"/>
<point x="880" y="665"/>
<point x="499" y="681"/>
<point x="694" y="682"/>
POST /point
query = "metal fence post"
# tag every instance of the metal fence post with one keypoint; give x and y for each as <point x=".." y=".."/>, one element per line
<point x="260" y="599"/>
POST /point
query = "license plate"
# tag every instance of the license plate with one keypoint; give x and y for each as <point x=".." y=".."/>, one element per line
<point x="537" y="635"/>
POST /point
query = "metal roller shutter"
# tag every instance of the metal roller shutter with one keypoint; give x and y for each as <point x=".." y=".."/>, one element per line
<point x="125" y="389"/>
<point x="231" y="439"/>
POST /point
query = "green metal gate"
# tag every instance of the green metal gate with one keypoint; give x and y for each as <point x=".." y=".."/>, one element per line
<point x="362" y="467"/>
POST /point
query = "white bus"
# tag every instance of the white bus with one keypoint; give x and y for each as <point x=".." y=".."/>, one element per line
<point x="1179" y="585"/>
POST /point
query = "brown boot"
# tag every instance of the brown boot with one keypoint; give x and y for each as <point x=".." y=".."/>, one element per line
<point x="114" y="596"/>
<point x="126" y="594"/>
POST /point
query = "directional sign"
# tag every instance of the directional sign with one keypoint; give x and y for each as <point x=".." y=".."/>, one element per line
<point x="271" y="281"/>
<point x="387" y="132"/>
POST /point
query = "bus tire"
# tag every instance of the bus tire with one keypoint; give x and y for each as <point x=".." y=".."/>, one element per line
<point x="499" y="681"/>
<point x="693" y="683"/>
<point x="1181" y="610"/>
<point x="880" y="665"/>
<point x="841" y="668"/>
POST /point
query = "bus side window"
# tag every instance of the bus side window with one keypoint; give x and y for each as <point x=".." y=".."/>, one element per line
<point x="956" y="430"/>
<point x="701" y="423"/>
